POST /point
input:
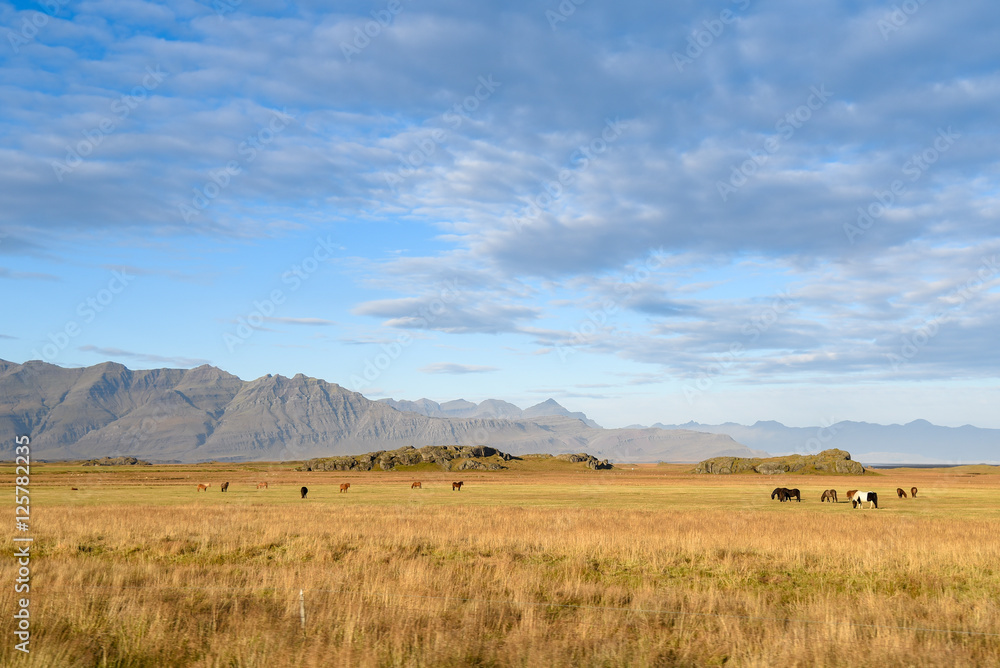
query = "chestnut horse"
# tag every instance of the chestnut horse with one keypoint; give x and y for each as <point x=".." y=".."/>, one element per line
<point x="262" y="484"/>
<point x="202" y="487"/>
<point x="913" y="492"/>
<point x="851" y="493"/>
<point x="900" y="493"/>
<point x="225" y="486"/>
<point x="415" y="485"/>
<point x="304" y="490"/>
<point x="345" y="486"/>
<point x="456" y="486"/>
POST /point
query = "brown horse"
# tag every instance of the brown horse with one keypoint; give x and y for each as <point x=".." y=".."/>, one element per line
<point x="794" y="492"/>
<point x="416" y="485"/>
<point x="304" y="490"/>
<point x="900" y="493"/>
<point x="202" y="488"/>
<point x="913" y="492"/>
<point x="225" y="486"/>
<point x="851" y="493"/>
<point x="829" y="495"/>
<point x="456" y="486"/>
<point x="262" y="484"/>
<point x="345" y="486"/>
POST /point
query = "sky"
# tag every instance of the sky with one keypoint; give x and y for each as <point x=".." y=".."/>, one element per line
<point x="650" y="212"/>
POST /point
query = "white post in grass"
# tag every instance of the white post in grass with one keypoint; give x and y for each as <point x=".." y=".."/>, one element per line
<point x="302" y="609"/>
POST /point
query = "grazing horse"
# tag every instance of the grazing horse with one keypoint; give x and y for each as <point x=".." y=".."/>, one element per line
<point x="860" y="498"/>
<point x="781" y="493"/>
<point x="795" y="493"/>
<point x="225" y="486"/>
<point x="456" y="486"/>
<point x="913" y="492"/>
<point x="900" y="493"/>
<point x="851" y="493"/>
<point x="262" y="484"/>
<point x="829" y="495"/>
<point x="202" y="488"/>
<point x="304" y="490"/>
<point x="415" y="485"/>
<point x="345" y="486"/>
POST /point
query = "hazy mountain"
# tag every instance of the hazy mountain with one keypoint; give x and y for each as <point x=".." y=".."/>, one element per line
<point x="917" y="442"/>
<point x="488" y="408"/>
<point x="205" y="413"/>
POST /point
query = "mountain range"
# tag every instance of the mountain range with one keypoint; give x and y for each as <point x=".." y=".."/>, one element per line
<point x="205" y="413"/>
<point x="460" y="408"/>
<point x="917" y="442"/>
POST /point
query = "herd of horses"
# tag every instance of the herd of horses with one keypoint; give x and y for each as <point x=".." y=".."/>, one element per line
<point x="455" y="487"/>
<point x="857" y="498"/>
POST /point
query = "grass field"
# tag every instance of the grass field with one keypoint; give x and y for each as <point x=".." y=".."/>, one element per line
<point x="551" y="564"/>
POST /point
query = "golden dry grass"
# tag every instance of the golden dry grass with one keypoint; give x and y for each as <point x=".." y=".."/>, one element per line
<point x="562" y="567"/>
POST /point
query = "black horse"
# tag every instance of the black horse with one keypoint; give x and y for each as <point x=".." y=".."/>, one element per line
<point x="304" y="490"/>
<point x="781" y="493"/>
<point x="795" y="493"/>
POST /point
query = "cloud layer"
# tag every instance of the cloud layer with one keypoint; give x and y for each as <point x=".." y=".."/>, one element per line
<point x="745" y="192"/>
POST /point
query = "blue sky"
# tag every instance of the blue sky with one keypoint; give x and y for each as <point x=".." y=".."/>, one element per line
<point x="702" y="211"/>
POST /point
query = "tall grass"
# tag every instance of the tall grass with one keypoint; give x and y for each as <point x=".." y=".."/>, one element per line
<point x="434" y="578"/>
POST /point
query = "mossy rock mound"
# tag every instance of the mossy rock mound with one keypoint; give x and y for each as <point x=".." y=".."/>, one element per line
<point x="116" y="461"/>
<point x="590" y="460"/>
<point x="390" y="460"/>
<point x="828" y="462"/>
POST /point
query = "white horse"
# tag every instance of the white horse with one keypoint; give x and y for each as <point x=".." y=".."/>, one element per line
<point x="860" y="498"/>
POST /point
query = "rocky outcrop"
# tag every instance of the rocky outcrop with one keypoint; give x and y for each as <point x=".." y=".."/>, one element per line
<point x="116" y="461"/>
<point x="447" y="457"/>
<point x="829" y="462"/>
<point x="590" y="460"/>
<point x="441" y="455"/>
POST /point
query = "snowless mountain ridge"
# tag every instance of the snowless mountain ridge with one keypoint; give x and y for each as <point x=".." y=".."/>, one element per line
<point x="205" y="413"/>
